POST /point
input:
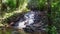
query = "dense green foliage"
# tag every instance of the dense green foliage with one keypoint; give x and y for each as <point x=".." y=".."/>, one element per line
<point x="39" y="4"/>
<point x="55" y="8"/>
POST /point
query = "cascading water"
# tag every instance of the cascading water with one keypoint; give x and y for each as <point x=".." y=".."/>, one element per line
<point x="32" y="21"/>
<point x="29" y="19"/>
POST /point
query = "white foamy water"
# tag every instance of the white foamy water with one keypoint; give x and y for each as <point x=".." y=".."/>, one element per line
<point x="21" y="25"/>
<point x="29" y="19"/>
